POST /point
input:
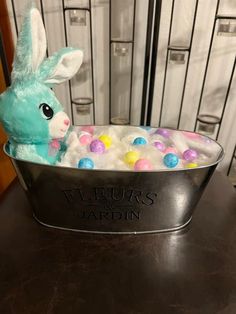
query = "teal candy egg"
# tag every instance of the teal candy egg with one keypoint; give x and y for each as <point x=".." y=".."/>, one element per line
<point x="171" y="160"/>
<point x="86" y="163"/>
<point x="139" y="141"/>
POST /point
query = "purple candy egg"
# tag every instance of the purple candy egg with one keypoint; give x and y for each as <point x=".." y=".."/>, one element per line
<point x="190" y="154"/>
<point x="163" y="132"/>
<point x="97" y="147"/>
<point x="159" y="145"/>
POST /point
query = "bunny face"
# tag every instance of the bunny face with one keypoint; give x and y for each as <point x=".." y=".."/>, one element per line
<point x="29" y="110"/>
<point x="34" y="115"/>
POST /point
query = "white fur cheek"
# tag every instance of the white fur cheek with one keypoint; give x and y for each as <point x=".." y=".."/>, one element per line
<point x="57" y="126"/>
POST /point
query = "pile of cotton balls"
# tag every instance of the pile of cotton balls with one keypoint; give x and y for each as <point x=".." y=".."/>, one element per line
<point x="137" y="148"/>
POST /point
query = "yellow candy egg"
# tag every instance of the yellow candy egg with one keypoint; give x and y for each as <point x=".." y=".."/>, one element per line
<point x="106" y="139"/>
<point x="131" y="157"/>
<point x="191" y="165"/>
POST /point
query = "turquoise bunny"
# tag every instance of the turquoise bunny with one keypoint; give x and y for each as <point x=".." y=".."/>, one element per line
<point x="30" y="113"/>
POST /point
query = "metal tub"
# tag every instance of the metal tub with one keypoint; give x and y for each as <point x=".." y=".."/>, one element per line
<point x="102" y="201"/>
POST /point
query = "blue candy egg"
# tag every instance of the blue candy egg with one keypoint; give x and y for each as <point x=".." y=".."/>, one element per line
<point x="86" y="163"/>
<point x="139" y="141"/>
<point x="171" y="160"/>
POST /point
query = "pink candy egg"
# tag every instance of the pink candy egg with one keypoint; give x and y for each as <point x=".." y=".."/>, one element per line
<point x="143" y="164"/>
<point x="85" y="139"/>
<point x="159" y="145"/>
<point x="88" y="128"/>
<point x="171" y="150"/>
<point x="191" y="135"/>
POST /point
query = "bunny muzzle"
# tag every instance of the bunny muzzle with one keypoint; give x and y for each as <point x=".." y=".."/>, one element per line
<point x="59" y="125"/>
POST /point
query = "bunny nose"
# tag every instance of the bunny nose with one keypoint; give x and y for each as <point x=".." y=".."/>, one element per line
<point x="66" y="122"/>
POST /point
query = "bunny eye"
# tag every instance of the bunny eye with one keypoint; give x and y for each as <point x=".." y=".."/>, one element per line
<point x="46" y="111"/>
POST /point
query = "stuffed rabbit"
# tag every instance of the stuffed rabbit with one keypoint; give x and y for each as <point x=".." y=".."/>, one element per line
<point x="29" y="111"/>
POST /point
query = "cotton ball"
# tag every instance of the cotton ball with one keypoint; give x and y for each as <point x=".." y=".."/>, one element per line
<point x="179" y="141"/>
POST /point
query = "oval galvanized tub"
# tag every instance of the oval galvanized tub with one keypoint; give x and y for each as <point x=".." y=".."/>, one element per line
<point x="103" y="201"/>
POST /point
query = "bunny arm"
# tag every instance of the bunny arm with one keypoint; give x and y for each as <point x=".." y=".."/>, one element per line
<point x="28" y="152"/>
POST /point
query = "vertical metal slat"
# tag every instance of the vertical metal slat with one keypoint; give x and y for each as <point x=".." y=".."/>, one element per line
<point x="151" y="7"/>
<point x="132" y="57"/>
<point x="14" y="15"/>
<point x="3" y="60"/>
<point x="164" y="81"/>
<point x="231" y="161"/>
<point x="66" y="41"/>
<point x="187" y="66"/>
<point x="226" y="99"/>
<point x="91" y="54"/>
<point x="157" y="19"/>
<point x="207" y="63"/>
<point x="132" y="60"/>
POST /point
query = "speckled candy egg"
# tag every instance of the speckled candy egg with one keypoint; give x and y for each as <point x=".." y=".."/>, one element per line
<point x="143" y="164"/>
<point x="139" y="141"/>
<point x="131" y="157"/>
<point x="86" y="163"/>
<point x="171" y="160"/>
<point x="190" y="154"/>
<point x="160" y="146"/>
<point x="106" y="139"/>
<point x="97" y="146"/>
<point x="191" y="165"/>
<point x="85" y="139"/>
<point x="163" y="132"/>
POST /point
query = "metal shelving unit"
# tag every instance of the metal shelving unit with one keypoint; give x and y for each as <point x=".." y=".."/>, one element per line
<point x="222" y="31"/>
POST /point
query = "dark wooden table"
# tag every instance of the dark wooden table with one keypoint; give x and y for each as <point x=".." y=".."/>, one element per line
<point x="51" y="271"/>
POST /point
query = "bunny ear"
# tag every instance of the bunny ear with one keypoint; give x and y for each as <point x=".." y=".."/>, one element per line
<point x="39" y="43"/>
<point x="31" y="45"/>
<point x="61" y="66"/>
